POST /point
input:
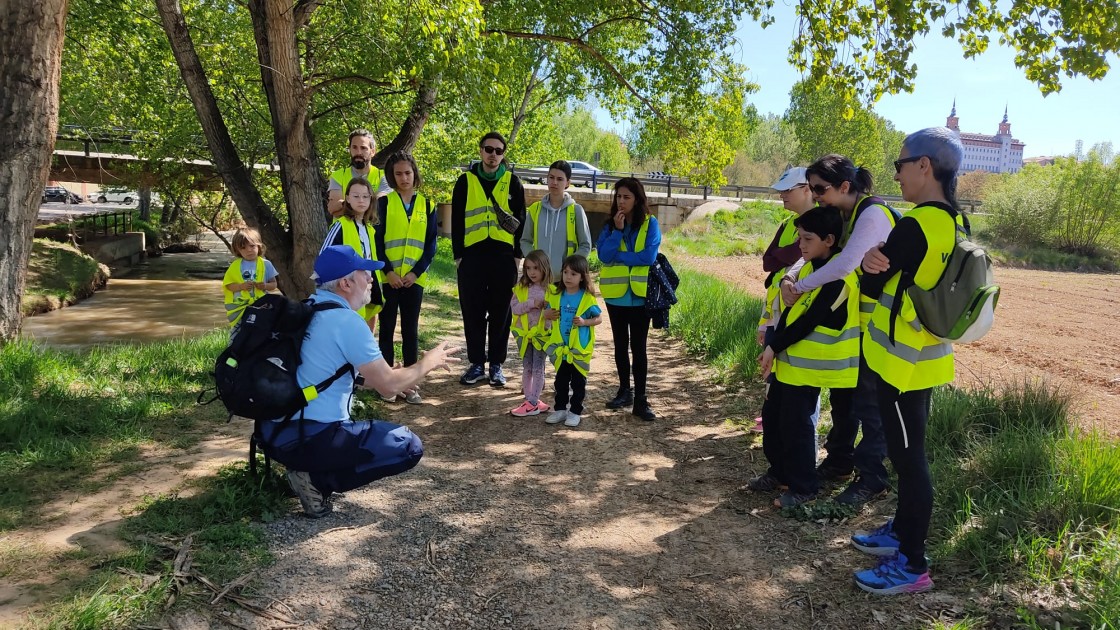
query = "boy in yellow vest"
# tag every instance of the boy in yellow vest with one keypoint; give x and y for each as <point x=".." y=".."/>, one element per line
<point x="815" y="345"/>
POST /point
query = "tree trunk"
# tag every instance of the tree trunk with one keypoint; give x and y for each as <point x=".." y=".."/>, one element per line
<point x="409" y="133"/>
<point x="145" y="203"/>
<point x="31" y="35"/>
<point x="274" y="29"/>
<point x="235" y="174"/>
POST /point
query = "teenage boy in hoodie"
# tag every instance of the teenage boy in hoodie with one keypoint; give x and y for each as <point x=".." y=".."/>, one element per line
<point x="557" y="224"/>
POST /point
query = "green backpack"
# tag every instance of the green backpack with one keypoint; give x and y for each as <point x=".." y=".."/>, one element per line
<point x="961" y="307"/>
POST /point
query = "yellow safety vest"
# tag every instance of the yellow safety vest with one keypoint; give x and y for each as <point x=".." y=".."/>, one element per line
<point x="344" y="175"/>
<point x="535" y="212"/>
<point x="825" y="357"/>
<point x="866" y="304"/>
<point x="614" y="278"/>
<point x="525" y="334"/>
<point x="480" y="221"/>
<point x="351" y="237"/>
<point x="236" y="303"/>
<point x="787" y="237"/>
<point x="405" y="236"/>
<point x="916" y="359"/>
<point x="571" y="350"/>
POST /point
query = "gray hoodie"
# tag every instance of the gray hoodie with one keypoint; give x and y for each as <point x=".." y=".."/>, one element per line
<point x="553" y="232"/>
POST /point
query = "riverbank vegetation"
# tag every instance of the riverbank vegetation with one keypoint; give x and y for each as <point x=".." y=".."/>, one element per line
<point x="59" y="275"/>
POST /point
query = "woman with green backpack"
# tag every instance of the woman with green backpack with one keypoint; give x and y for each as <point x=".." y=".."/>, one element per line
<point x="907" y="359"/>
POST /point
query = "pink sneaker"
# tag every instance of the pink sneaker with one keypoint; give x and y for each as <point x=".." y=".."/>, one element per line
<point x="525" y="409"/>
<point x="543" y="407"/>
<point x="757" y="428"/>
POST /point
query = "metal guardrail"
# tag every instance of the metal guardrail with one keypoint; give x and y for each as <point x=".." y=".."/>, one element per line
<point x="108" y="223"/>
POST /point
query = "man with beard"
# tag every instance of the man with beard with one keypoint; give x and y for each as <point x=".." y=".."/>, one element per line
<point x="362" y="148"/>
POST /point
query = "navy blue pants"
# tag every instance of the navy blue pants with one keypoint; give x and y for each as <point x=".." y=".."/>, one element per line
<point x="866" y="457"/>
<point x="341" y="456"/>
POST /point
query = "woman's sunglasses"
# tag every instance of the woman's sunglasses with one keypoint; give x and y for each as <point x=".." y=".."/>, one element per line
<point x="819" y="189"/>
<point x="494" y="150"/>
<point x="906" y="160"/>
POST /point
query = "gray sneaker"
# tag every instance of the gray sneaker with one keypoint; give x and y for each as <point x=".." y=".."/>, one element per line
<point x="413" y="398"/>
<point x="571" y="420"/>
<point x="315" y="505"/>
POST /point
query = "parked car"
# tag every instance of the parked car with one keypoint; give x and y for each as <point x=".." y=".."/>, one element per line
<point x="115" y="195"/>
<point x="582" y="173"/>
<point x="59" y="193"/>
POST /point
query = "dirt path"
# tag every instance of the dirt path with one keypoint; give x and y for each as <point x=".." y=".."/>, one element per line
<point x="1056" y="326"/>
<point x="618" y="524"/>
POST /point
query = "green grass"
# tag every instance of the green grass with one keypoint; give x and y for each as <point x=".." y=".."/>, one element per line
<point x="718" y="322"/>
<point x="747" y="230"/>
<point x="1038" y="256"/>
<point x="57" y="273"/>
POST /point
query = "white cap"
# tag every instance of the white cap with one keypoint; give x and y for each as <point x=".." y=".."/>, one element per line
<point x="791" y="178"/>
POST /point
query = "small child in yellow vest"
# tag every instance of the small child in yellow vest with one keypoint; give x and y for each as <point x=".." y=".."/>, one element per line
<point x="573" y="312"/>
<point x="815" y="345"/>
<point x="249" y="276"/>
<point x="529" y="300"/>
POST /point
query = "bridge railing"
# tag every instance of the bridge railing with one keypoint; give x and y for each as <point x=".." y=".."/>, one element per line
<point x="107" y="223"/>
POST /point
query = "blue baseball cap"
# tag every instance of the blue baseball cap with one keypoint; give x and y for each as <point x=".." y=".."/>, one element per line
<point x="338" y="261"/>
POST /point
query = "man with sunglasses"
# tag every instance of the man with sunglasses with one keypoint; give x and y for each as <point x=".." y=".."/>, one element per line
<point x="486" y="255"/>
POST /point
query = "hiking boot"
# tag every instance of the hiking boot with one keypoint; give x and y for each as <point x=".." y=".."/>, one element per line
<point x="315" y="505"/>
<point x="624" y="398"/>
<point x="642" y="410"/>
<point x="525" y="409"/>
<point x="793" y="499"/>
<point x="497" y="379"/>
<point x="893" y="577"/>
<point x="859" y="492"/>
<point x="571" y="420"/>
<point x="878" y="542"/>
<point x="475" y="373"/>
<point x="766" y="483"/>
<point x="413" y="397"/>
<point x="556" y="417"/>
<point x="829" y="471"/>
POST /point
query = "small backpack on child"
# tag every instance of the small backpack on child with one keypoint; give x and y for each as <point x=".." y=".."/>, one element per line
<point x="961" y="307"/>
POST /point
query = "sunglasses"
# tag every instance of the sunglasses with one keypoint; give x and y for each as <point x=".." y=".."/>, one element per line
<point x="899" y="162"/>
<point x="819" y="189"/>
<point x="494" y="150"/>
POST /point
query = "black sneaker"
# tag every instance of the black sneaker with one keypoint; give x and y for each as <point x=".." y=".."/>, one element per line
<point x="497" y="379"/>
<point x="642" y="410"/>
<point x="475" y="373"/>
<point x="314" y="503"/>
<point x="624" y="398"/>
<point x="828" y="471"/>
<point x="859" y="492"/>
<point x="793" y="499"/>
<point x="766" y="483"/>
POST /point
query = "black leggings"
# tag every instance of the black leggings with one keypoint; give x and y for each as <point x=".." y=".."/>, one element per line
<point x="630" y="327"/>
<point x="408" y="301"/>
<point x="905" y="415"/>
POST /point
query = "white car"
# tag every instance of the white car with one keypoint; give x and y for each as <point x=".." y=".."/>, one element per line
<point x="119" y="195"/>
<point x="582" y="173"/>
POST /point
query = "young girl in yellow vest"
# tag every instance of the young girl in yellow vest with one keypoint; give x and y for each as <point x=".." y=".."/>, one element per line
<point x="406" y="243"/>
<point x="815" y="345"/>
<point x="249" y="276"/>
<point x="356" y="228"/>
<point x="573" y="312"/>
<point x="527" y="304"/>
<point x="908" y="361"/>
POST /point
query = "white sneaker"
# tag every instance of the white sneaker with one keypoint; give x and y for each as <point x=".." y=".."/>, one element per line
<point x="388" y="399"/>
<point x="413" y="398"/>
<point x="572" y="420"/>
<point x="556" y="417"/>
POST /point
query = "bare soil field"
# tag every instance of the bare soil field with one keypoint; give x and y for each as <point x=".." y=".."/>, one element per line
<point x="1059" y="327"/>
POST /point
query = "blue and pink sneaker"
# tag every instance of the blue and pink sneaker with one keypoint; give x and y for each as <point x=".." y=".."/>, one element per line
<point x="879" y="542"/>
<point x="893" y="577"/>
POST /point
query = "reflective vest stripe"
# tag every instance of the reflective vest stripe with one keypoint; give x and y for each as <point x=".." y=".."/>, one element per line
<point x="819" y="364"/>
<point x="906" y="353"/>
<point x="825" y="357"/>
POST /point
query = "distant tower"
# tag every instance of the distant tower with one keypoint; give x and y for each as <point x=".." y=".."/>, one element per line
<point x="1005" y="127"/>
<point x="952" y="121"/>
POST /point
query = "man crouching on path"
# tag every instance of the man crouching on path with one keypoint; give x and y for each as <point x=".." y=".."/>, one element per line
<point x="326" y="451"/>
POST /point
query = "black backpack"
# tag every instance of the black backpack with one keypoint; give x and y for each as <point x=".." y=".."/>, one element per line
<point x="255" y="376"/>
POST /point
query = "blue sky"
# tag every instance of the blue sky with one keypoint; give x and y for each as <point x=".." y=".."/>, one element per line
<point x="1048" y="125"/>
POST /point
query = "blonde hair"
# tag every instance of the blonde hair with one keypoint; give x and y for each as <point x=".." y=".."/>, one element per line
<point x="247" y="236"/>
<point x="370" y="216"/>
<point x="540" y="259"/>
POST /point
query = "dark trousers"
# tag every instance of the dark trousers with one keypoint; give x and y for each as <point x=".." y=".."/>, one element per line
<point x="408" y="301"/>
<point x="630" y="329"/>
<point x="341" y="456"/>
<point x="867" y="456"/>
<point x="485" y="288"/>
<point x="567" y="375"/>
<point x="905" y="416"/>
<point x="789" y="439"/>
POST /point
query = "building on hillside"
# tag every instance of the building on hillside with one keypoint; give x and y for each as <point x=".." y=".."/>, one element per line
<point x="996" y="154"/>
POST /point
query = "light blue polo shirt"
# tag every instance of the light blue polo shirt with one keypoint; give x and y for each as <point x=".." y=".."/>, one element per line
<point x="335" y="337"/>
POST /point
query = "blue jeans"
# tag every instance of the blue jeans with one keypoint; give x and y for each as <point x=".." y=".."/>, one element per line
<point x="341" y="456"/>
